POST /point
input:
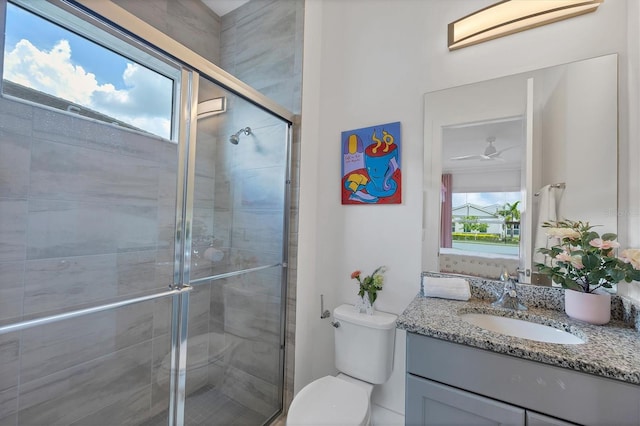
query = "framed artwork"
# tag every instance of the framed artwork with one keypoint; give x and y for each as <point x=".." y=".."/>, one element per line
<point x="371" y="165"/>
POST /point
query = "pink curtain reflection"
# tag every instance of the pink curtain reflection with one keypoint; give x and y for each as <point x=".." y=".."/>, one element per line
<point x="445" y="214"/>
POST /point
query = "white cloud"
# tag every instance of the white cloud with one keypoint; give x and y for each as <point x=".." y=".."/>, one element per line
<point x="145" y="102"/>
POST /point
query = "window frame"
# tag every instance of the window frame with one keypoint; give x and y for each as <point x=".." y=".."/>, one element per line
<point x="76" y="20"/>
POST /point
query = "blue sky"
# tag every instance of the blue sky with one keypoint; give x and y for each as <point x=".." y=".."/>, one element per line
<point x="484" y="198"/>
<point x="105" y="64"/>
<point x="48" y="58"/>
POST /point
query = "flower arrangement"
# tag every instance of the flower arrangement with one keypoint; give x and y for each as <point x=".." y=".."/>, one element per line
<point x="585" y="261"/>
<point x="371" y="284"/>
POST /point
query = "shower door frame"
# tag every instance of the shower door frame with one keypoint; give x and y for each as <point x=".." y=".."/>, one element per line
<point x="192" y="67"/>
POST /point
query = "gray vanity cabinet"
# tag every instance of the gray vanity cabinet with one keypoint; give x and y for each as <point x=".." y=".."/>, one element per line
<point x="453" y="384"/>
<point x="431" y="403"/>
<point x="537" y="419"/>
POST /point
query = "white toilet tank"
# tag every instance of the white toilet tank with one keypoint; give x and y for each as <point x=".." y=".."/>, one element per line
<point x="364" y="344"/>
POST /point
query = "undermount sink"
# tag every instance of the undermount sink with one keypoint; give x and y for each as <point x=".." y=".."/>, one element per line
<point x="521" y="328"/>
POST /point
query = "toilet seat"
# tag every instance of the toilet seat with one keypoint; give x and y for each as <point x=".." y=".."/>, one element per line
<point x="329" y="401"/>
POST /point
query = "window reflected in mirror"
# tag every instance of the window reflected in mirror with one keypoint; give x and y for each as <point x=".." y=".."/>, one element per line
<point x="480" y="223"/>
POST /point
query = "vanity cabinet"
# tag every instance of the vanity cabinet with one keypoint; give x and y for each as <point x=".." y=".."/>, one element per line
<point x="451" y="384"/>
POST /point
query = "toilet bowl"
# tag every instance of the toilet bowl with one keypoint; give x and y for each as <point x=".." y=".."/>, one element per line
<point x="364" y="346"/>
<point x="331" y="401"/>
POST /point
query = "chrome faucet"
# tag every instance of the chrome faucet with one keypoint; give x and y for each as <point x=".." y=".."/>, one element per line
<point x="509" y="297"/>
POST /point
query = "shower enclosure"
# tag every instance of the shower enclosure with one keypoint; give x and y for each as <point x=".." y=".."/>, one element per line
<point x="142" y="277"/>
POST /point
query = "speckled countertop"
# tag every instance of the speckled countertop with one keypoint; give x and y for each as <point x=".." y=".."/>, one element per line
<point x="612" y="350"/>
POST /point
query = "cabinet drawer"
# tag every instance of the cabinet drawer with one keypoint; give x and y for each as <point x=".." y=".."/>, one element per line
<point x="562" y="393"/>
<point x="431" y="403"/>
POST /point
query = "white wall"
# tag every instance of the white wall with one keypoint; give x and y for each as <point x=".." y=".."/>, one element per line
<point x="370" y="62"/>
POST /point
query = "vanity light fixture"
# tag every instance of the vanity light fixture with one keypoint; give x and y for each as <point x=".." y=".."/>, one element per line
<point x="212" y="107"/>
<point x="511" y="16"/>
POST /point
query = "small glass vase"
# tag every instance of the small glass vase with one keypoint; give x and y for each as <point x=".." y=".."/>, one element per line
<point x="363" y="305"/>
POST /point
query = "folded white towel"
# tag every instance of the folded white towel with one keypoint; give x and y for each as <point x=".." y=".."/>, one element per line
<point x="446" y="288"/>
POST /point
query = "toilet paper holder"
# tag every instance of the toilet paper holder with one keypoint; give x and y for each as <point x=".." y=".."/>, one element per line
<point x="324" y="313"/>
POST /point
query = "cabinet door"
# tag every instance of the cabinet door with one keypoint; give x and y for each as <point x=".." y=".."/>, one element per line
<point x="537" y="419"/>
<point x="432" y="403"/>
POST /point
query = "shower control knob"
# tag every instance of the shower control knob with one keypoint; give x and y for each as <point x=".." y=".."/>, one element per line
<point x="336" y="324"/>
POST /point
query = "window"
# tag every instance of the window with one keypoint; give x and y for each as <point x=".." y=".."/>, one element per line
<point x="60" y="65"/>
<point x="486" y="222"/>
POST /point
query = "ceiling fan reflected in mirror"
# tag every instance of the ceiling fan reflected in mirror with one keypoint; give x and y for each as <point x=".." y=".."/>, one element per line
<point x="490" y="152"/>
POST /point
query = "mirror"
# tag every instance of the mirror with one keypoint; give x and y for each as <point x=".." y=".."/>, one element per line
<point x="515" y="151"/>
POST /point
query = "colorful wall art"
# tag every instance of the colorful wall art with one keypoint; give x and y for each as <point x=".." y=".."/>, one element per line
<point x="371" y="165"/>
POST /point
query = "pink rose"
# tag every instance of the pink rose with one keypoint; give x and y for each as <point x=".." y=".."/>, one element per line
<point x="575" y="261"/>
<point x="603" y="245"/>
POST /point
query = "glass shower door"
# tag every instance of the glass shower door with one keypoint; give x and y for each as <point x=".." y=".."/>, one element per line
<point x="236" y="312"/>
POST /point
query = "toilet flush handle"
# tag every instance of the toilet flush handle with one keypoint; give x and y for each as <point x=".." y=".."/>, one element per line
<point x="336" y="324"/>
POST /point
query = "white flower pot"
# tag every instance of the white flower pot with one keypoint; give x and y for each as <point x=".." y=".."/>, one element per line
<point x="594" y="308"/>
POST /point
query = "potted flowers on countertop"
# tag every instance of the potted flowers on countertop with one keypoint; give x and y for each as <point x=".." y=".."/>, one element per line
<point x="585" y="263"/>
<point x="369" y="287"/>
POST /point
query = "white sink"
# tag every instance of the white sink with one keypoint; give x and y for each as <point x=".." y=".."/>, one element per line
<point x="521" y="328"/>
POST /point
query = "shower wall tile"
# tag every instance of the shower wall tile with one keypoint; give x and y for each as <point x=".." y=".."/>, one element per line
<point x="256" y="358"/>
<point x="11" y="289"/>
<point x="16" y="117"/>
<point x="55" y="126"/>
<point x="67" y="282"/>
<point x="9" y="407"/>
<point x="166" y="222"/>
<point x="251" y="391"/>
<point x="14" y="164"/>
<point x="216" y="307"/>
<point x="188" y="22"/>
<point x="164" y="269"/>
<point x="13" y="228"/>
<point x="70" y="395"/>
<point x="55" y="347"/>
<point x="9" y="360"/>
<point x="206" y="149"/>
<point x="257" y="33"/>
<point x="66" y="172"/>
<point x="259" y="230"/>
<point x="250" y="313"/>
<point x="204" y="188"/>
<point x="73" y="228"/>
<point x="199" y="310"/>
<point x="165" y="152"/>
<point x="132" y="408"/>
<point x="162" y="317"/>
<point x="167" y="187"/>
<point x="136" y="271"/>
<point x="222" y="194"/>
<point x="160" y="373"/>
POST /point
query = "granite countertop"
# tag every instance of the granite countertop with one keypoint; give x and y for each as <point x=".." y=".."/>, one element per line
<point x="612" y="350"/>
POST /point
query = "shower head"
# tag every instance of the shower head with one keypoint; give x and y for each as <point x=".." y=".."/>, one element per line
<point x="235" y="138"/>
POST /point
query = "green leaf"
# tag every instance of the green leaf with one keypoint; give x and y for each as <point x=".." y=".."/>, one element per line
<point x="372" y="296"/>
<point x="590" y="261"/>
<point x="609" y="236"/>
<point x="617" y="275"/>
<point x="571" y="284"/>
<point x="589" y="236"/>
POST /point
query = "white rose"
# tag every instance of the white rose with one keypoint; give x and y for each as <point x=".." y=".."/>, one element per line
<point x="563" y="233"/>
<point x="631" y="256"/>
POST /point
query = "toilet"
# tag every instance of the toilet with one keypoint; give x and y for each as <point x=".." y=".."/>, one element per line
<point x="364" y="346"/>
